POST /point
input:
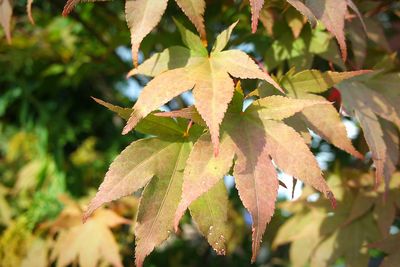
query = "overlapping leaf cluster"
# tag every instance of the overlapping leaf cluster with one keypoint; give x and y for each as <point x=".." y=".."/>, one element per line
<point x="255" y="141"/>
<point x="181" y="164"/>
<point x="363" y="218"/>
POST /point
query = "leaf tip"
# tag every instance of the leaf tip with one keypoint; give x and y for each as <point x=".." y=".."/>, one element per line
<point x="216" y="151"/>
<point x="126" y="129"/>
<point x="30" y="17"/>
<point x="67" y="9"/>
<point x="131" y="73"/>
<point x="254" y="28"/>
<point x="138" y="262"/>
<point x="358" y="155"/>
<point x="86" y="215"/>
<point x="253" y="258"/>
<point x="332" y="199"/>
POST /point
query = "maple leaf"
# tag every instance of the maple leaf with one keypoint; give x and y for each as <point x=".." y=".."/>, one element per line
<point x="331" y="13"/>
<point x="322" y="239"/>
<point x="300" y="52"/>
<point x="5" y="18"/>
<point x="142" y="164"/>
<point x="370" y="105"/>
<point x="210" y="213"/>
<point x="214" y="202"/>
<point x="253" y="136"/>
<point x="383" y="203"/>
<point x="143" y="15"/>
<point x="87" y="243"/>
<point x="322" y="119"/>
<point x="256" y="6"/>
<point x="180" y="69"/>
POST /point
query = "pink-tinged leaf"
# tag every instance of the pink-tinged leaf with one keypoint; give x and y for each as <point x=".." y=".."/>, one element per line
<point x="378" y="104"/>
<point x="210" y="214"/>
<point x="325" y="121"/>
<point x="304" y="10"/>
<point x="254" y="141"/>
<point x="194" y="10"/>
<point x="280" y="107"/>
<point x="290" y="153"/>
<point x="203" y="170"/>
<point x="256" y="6"/>
<point x="208" y="76"/>
<point x="158" y="92"/>
<point x="131" y="170"/>
<point x="158" y="204"/>
<point x="332" y="13"/>
<point x="5" y="18"/>
<point x="212" y="93"/>
<point x="367" y="104"/>
<point x="322" y="119"/>
<point x="69" y="6"/>
<point x="240" y="65"/>
<point x="256" y="179"/>
<point x="142" y="16"/>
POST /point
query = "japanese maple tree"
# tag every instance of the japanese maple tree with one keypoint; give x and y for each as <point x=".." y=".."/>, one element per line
<point x="258" y="106"/>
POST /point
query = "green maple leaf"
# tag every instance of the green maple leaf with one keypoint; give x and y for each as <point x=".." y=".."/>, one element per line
<point x="179" y="69"/>
<point x="251" y="138"/>
<point x="143" y="15"/>
<point x="372" y="100"/>
<point x="300" y="52"/>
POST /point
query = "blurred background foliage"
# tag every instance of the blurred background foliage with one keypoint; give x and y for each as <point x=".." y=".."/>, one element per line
<point x="56" y="143"/>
